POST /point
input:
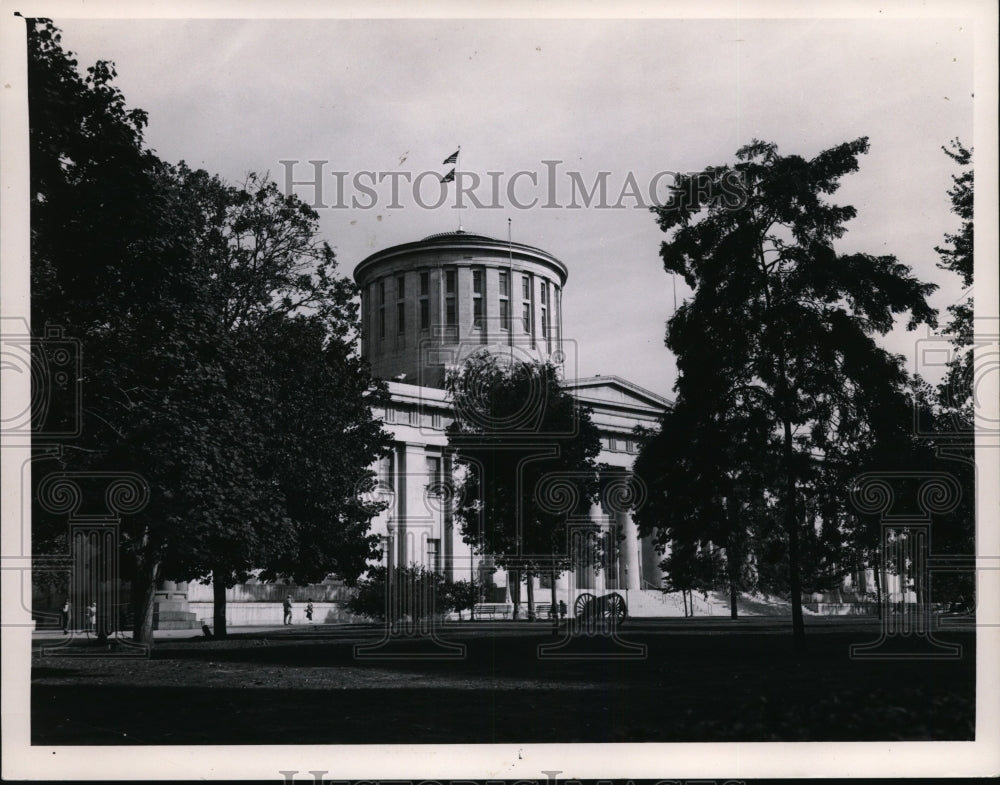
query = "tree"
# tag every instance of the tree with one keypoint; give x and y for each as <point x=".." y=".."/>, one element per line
<point x="957" y="256"/>
<point x="463" y="595"/>
<point x="417" y="593"/>
<point x="779" y="323"/>
<point x="529" y="453"/>
<point x="703" y="474"/>
<point x="954" y="414"/>
<point x="294" y="389"/>
<point x="103" y="247"/>
<point x="218" y="349"/>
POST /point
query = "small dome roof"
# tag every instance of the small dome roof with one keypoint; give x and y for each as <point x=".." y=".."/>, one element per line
<point x="455" y="242"/>
<point x="459" y="235"/>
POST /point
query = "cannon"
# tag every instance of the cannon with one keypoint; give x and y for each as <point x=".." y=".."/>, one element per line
<point x="609" y="608"/>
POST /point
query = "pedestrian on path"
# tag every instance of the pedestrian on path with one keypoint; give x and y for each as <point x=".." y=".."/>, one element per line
<point x="64" y="616"/>
<point x="92" y="618"/>
<point x="288" y="609"/>
<point x="309" y="610"/>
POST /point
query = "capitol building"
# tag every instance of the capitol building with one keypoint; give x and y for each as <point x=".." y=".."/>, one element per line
<point x="427" y="306"/>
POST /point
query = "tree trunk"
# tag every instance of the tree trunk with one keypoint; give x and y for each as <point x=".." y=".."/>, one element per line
<point x="105" y="623"/>
<point x="554" y="599"/>
<point x="877" y="573"/>
<point x="143" y="599"/>
<point x="514" y="581"/>
<point x="732" y="565"/>
<point x="792" y="527"/>
<point x="531" y="595"/>
<point x="219" y="604"/>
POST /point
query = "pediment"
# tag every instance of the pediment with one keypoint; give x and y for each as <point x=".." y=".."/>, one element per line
<point x="614" y="391"/>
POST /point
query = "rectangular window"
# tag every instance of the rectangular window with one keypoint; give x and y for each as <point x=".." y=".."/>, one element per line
<point x="425" y="314"/>
<point x="504" y="284"/>
<point x="381" y="322"/>
<point x="400" y="318"/>
<point x="434" y="555"/>
<point x="434" y="473"/>
<point x="545" y="291"/>
<point x="477" y="298"/>
<point x="366" y="309"/>
<point x="449" y="311"/>
<point x="504" y="315"/>
<point x="400" y="287"/>
<point x="387" y="472"/>
<point x="425" y="284"/>
<point x="381" y="292"/>
<point x="545" y="324"/>
<point x="553" y="319"/>
<point x="449" y="281"/>
<point x="526" y="318"/>
<point x="525" y="288"/>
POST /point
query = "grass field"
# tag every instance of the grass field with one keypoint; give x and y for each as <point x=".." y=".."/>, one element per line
<point x="699" y="680"/>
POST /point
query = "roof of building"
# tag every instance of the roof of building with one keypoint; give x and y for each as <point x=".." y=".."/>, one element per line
<point x="616" y="391"/>
<point x="460" y="234"/>
<point x="461" y="240"/>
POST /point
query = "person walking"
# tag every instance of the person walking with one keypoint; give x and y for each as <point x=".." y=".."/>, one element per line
<point x="309" y="610"/>
<point x="64" y="616"/>
<point x="288" y="609"/>
<point x="92" y="618"/>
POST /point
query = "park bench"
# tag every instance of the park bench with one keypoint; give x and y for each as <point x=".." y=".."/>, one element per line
<point x="491" y="610"/>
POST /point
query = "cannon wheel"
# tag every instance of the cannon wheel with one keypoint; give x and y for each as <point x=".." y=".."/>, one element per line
<point x="582" y="603"/>
<point x="614" y="607"/>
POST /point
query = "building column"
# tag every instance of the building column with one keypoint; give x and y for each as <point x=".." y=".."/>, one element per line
<point x="628" y="567"/>
<point x="417" y="521"/>
<point x="598" y="516"/>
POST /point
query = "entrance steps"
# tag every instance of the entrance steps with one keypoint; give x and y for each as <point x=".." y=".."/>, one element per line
<point x="653" y="603"/>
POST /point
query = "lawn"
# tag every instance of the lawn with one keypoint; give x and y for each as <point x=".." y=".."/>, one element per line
<point x="700" y="680"/>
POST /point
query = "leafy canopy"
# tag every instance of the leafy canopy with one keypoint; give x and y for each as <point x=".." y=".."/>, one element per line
<point x="529" y="451"/>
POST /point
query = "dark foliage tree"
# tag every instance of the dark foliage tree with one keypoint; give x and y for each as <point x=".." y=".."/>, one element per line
<point x="779" y="323"/>
<point x="463" y="596"/>
<point x="954" y="413"/>
<point x="404" y="593"/>
<point x="704" y="474"/>
<point x="218" y="348"/>
<point x="956" y="391"/>
<point x="529" y="452"/>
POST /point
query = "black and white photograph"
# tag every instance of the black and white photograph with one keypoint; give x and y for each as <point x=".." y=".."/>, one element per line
<point x="537" y="392"/>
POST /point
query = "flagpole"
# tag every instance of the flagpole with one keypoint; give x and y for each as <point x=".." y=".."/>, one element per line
<point x="510" y="294"/>
<point x="458" y="180"/>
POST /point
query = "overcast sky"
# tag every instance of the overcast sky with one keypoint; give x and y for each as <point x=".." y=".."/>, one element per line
<point x="639" y="97"/>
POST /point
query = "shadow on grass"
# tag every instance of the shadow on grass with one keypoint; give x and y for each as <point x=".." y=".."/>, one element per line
<point x="691" y="688"/>
<point x="154" y="716"/>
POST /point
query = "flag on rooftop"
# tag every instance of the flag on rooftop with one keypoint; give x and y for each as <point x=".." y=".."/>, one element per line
<point x="451" y="159"/>
<point x="448" y="177"/>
